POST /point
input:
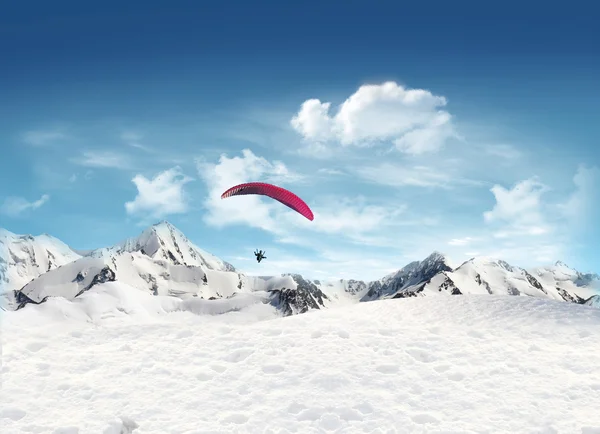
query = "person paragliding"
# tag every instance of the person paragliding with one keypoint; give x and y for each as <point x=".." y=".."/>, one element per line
<point x="281" y="195"/>
<point x="260" y="255"/>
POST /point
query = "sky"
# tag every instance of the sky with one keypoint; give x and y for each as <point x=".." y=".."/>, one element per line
<point x="459" y="127"/>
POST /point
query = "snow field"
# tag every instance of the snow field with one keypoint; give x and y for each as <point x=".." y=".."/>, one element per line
<point x="480" y="364"/>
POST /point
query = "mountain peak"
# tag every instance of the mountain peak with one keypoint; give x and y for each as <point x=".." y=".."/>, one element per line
<point x="411" y="275"/>
<point x="436" y="256"/>
<point x="164" y="241"/>
<point x="164" y="224"/>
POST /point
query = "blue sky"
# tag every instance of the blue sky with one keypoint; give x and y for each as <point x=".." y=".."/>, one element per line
<point x="455" y="127"/>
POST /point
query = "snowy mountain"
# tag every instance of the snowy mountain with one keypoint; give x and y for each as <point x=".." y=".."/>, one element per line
<point x="483" y="275"/>
<point x="593" y="301"/>
<point x="25" y="257"/>
<point x="163" y="241"/>
<point x="158" y="277"/>
<point x="163" y="262"/>
<point x="409" y="279"/>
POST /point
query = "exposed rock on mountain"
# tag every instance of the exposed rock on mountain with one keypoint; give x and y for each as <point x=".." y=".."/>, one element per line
<point x="409" y="280"/>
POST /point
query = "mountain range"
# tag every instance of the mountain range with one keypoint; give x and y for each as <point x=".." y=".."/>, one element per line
<point x="163" y="261"/>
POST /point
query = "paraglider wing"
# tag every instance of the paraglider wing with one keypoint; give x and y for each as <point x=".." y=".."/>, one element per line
<point x="282" y="195"/>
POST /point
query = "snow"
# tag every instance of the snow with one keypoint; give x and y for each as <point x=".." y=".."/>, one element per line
<point x="117" y="359"/>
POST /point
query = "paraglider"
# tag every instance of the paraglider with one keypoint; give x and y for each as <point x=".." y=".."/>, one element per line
<point x="281" y="195"/>
<point x="260" y="255"/>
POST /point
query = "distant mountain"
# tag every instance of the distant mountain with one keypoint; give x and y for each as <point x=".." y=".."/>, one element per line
<point x="25" y="257"/>
<point x="159" y="277"/>
<point x="484" y="275"/>
<point x="409" y="279"/>
<point x="162" y="261"/>
<point x="593" y="301"/>
<point x="163" y="241"/>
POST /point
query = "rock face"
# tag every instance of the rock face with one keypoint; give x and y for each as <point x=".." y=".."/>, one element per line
<point x="305" y="296"/>
<point x="408" y="281"/>
<point x="162" y="261"/>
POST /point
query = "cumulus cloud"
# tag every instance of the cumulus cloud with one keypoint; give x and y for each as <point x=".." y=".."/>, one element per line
<point x="15" y="206"/>
<point x="583" y="206"/>
<point x="352" y="216"/>
<point x="519" y="209"/>
<point x="160" y="196"/>
<point x="103" y="159"/>
<point x="42" y="138"/>
<point x="412" y="119"/>
<point x="250" y="210"/>
<point x="527" y="228"/>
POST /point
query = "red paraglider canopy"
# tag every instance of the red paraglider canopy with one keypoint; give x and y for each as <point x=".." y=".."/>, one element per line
<point x="282" y="195"/>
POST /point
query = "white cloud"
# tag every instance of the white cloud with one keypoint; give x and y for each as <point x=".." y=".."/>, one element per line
<point x="163" y="195"/>
<point x="410" y="118"/>
<point x="42" y="138"/>
<point x="526" y="230"/>
<point x="15" y="206"/>
<point x="460" y="241"/>
<point x="73" y="178"/>
<point x="351" y="217"/>
<point x="328" y="171"/>
<point x="250" y="210"/>
<point x="316" y="150"/>
<point x="133" y="139"/>
<point x="103" y="159"/>
<point x="395" y="175"/>
<point x="428" y="138"/>
<point x="519" y="209"/>
<point x="313" y="121"/>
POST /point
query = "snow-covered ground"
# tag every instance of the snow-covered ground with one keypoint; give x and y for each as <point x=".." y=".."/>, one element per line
<point x="428" y="364"/>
